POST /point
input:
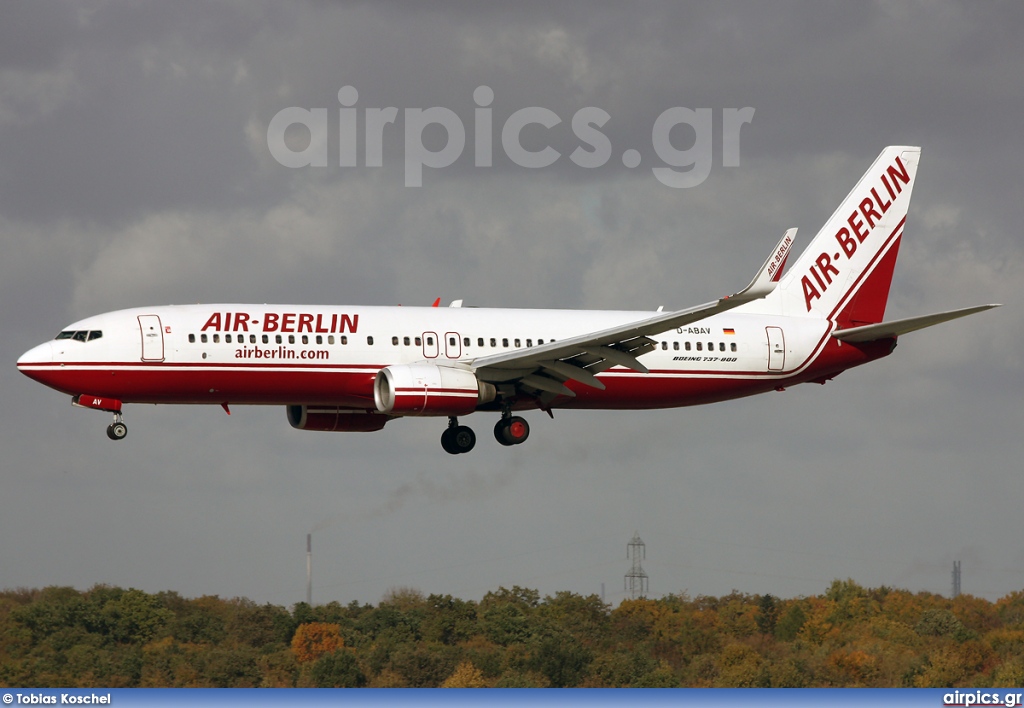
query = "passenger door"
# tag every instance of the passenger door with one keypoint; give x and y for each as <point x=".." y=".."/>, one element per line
<point x="152" y="338"/>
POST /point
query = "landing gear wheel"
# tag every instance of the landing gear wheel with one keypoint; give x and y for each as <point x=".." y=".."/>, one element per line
<point x="511" y="431"/>
<point x="117" y="430"/>
<point x="458" y="439"/>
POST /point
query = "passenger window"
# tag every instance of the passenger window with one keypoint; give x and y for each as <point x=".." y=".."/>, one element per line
<point x="687" y="346"/>
<point x="369" y="340"/>
<point x="675" y="346"/>
<point x="664" y="346"/>
<point x="504" y="341"/>
<point x="529" y="342"/>
<point x="700" y="347"/>
<point x="451" y="341"/>
<point x="430" y="341"/>
<point x="319" y="339"/>
<point x="494" y="342"/>
<point x="305" y="339"/>
<point x="278" y="339"/>
<point x="394" y="341"/>
<point x="291" y="339"/>
<point x="539" y="342"/>
<point x="732" y="346"/>
<point x="711" y="346"/>
<point x="721" y="346"/>
<point x="252" y="339"/>
<point x="406" y="341"/>
<point x="216" y="339"/>
<point x="191" y="339"/>
<point x="227" y="338"/>
<point x="344" y="339"/>
<point x="480" y="341"/>
<point x="202" y="338"/>
<point x="419" y="342"/>
<point x="330" y="339"/>
<point x="465" y="341"/>
<point x="266" y="338"/>
<point x="518" y="344"/>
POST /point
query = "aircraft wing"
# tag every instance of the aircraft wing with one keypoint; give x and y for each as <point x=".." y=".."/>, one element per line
<point x="546" y="368"/>
<point x="889" y="330"/>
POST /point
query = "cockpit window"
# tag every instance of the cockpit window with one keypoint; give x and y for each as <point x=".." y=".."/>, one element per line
<point x="81" y="335"/>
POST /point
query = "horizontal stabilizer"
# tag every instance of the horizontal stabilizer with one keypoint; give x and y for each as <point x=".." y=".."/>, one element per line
<point x="889" y="330"/>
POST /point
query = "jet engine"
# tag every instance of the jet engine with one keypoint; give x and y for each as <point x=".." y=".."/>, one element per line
<point x="334" y="419"/>
<point x="427" y="389"/>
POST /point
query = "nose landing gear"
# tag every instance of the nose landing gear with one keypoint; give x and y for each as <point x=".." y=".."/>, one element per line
<point x="117" y="430"/>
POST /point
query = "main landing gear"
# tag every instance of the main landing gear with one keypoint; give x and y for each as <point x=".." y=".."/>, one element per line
<point x="457" y="438"/>
<point x="117" y="430"/>
<point x="510" y="430"/>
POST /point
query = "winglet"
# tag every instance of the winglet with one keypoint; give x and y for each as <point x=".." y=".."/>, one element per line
<point x="768" y="277"/>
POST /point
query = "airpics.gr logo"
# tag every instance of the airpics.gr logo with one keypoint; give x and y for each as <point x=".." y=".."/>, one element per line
<point x="679" y="168"/>
<point x="982" y="698"/>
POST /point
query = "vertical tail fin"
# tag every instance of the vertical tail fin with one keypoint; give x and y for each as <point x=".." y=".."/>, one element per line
<point x="845" y="272"/>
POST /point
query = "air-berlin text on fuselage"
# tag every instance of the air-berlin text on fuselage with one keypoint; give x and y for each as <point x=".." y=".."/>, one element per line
<point x="318" y="323"/>
<point x="860" y="224"/>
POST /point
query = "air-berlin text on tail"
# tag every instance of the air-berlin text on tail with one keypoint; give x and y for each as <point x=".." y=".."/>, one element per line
<point x="859" y="225"/>
<point x="314" y="323"/>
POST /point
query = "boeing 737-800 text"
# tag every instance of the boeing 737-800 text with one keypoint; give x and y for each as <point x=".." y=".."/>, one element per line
<point x="357" y="368"/>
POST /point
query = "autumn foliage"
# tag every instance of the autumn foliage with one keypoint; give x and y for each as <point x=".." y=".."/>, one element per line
<point x="846" y="636"/>
<point x="314" y="639"/>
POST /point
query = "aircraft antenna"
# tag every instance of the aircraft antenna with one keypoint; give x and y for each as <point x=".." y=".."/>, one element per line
<point x="636" y="579"/>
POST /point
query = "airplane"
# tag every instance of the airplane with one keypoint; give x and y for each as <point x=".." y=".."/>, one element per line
<point x="357" y="368"/>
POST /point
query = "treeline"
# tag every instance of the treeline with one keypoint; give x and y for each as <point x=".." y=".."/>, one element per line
<point x="849" y="636"/>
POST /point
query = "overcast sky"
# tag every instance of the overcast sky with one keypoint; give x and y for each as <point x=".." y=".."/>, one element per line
<point x="135" y="170"/>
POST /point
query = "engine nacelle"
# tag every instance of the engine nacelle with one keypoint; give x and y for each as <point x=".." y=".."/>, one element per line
<point x="427" y="389"/>
<point x="334" y="419"/>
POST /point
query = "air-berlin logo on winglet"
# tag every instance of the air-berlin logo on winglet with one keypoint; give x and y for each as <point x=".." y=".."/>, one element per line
<point x="859" y="225"/>
<point x="286" y="322"/>
<point x="779" y="260"/>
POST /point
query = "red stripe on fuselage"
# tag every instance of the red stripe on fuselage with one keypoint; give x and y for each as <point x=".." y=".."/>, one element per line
<point x="352" y="385"/>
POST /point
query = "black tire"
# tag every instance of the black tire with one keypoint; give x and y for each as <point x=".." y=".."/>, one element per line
<point x="499" y="432"/>
<point x="117" y="431"/>
<point x="463" y="439"/>
<point x="448" y="441"/>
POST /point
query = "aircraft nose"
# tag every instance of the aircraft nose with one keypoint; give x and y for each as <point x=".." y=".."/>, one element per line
<point x="42" y="354"/>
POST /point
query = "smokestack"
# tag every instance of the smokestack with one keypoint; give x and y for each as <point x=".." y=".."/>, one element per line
<point x="309" y="569"/>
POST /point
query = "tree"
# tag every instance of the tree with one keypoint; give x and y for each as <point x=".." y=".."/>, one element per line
<point x="314" y="639"/>
<point x="465" y="676"/>
<point x="767" y="614"/>
<point x="338" y="669"/>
